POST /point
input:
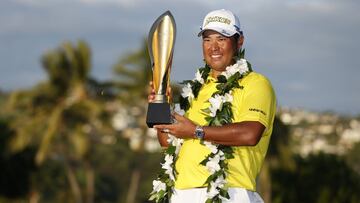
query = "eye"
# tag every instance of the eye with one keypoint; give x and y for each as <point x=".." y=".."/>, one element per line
<point x="206" y="39"/>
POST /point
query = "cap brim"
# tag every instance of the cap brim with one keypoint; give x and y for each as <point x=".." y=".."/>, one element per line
<point x="226" y="33"/>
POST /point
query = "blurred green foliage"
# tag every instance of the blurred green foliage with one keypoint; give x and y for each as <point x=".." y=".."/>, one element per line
<point x="318" y="178"/>
<point x="58" y="143"/>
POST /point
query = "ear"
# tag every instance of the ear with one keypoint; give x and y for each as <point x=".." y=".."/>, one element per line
<point x="240" y="42"/>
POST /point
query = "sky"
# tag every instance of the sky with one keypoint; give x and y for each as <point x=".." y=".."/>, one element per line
<point x="307" y="48"/>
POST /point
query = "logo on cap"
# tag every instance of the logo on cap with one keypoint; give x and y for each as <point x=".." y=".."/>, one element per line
<point x="217" y="19"/>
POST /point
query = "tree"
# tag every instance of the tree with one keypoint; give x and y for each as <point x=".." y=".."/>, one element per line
<point x="134" y="72"/>
<point x="279" y="156"/>
<point x="62" y="116"/>
<point x="319" y="178"/>
<point x="16" y="169"/>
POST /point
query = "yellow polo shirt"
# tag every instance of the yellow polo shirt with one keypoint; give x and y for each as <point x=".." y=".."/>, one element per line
<point x="255" y="102"/>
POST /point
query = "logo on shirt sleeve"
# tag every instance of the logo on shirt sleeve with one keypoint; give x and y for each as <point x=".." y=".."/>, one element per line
<point x="257" y="110"/>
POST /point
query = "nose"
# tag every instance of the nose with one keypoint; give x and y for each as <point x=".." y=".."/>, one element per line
<point x="214" y="46"/>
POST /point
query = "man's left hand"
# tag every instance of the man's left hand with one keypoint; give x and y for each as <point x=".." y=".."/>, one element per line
<point x="182" y="128"/>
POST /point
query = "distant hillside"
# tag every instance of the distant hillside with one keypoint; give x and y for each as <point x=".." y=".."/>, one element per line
<point x="314" y="132"/>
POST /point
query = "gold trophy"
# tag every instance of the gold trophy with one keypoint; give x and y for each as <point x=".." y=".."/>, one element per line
<point x="161" y="42"/>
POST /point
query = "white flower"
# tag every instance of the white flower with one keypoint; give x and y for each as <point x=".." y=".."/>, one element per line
<point x="170" y="173"/>
<point x="213" y="191"/>
<point x="220" y="182"/>
<point x="213" y="148"/>
<point x="231" y="70"/>
<point x="222" y="155"/>
<point x="213" y="164"/>
<point x="174" y="141"/>
<point x="178" y="109"/>
<point x="216" y="103"/>
<point x="187" y="91"/>
<point x="171" y="139"/>
<point x="158" y="186"/>
<point x="228" y="98"/>
<point x="240" y="66"/>
<point x="225" y="73"/>
<point x="198" y="77"/>
<point x="169" y="159"/>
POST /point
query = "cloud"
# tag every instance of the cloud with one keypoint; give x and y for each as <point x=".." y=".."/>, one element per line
<point x="297" y="86"/>
<point x="313" y="5"/>
<point x="33" y="2"/>
<point x="123" y="3"/>
<point x="306" y="47"/>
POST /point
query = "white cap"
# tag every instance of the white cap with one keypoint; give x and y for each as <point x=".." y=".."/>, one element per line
<point x="222" y="21"/>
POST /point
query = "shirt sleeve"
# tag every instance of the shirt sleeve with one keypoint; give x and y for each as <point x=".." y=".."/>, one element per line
<point x="255" y="102"/>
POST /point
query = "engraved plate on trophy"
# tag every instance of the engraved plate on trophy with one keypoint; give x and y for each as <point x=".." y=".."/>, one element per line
<point x="161" y="42"/>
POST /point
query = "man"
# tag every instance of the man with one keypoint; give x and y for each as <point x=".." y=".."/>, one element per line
<point x="253" y="108"/>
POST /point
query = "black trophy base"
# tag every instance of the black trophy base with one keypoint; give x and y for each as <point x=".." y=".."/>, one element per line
<point x="158" y="113"/>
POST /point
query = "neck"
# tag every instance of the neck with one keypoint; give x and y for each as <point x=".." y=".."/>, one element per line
<point x="215" y="73"/>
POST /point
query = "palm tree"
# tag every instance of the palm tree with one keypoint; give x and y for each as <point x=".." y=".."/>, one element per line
<point x="61" y="116"/>
<point x="134" y="72"/>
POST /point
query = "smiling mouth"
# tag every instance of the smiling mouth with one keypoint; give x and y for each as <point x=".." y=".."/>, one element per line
<point x="215" y="56"/>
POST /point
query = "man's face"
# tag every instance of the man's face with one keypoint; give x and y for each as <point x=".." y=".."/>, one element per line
<point x="218" y="50"/>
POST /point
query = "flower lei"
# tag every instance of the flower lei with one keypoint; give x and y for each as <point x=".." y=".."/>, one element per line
<point x="218" y="114"/>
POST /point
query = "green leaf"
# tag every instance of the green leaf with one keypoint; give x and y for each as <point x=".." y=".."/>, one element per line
<point x="219" y="86"/>
<point x="207" y="111"/>
<point x="221" y="79"/>
<point x="206" y="159"/>
<point x="184" y="103"/>
<point x="208" y="201"/>
<point x="205" y="71"/>
<point x="171" y="150"/>
<point x="209" y="179"/>
<point x="224" y="193"/>
<point x="249" y="66"/>
<point x="209" y="119"/>
<point x="153" y="196"/>
<point x="217" y="121"/>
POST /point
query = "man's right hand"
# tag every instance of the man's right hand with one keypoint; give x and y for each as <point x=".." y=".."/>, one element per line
<point x="151" y="96"/>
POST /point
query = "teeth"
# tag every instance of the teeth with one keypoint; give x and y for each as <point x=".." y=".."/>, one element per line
<point x="215" y="56"/>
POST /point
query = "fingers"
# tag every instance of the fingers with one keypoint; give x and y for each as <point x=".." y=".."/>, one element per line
<point x="168" y="91"/>
<point x="177" y="116"/>
<point x="151" y="96"/>
<point x="169" y="94"/>
<point x="164" y="128"/>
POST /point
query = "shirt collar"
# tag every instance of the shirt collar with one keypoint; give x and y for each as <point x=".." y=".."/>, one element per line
<point x="210" y="79"/>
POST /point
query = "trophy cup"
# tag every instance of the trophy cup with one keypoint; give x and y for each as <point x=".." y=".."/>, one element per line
<point x="161" y="42"/>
